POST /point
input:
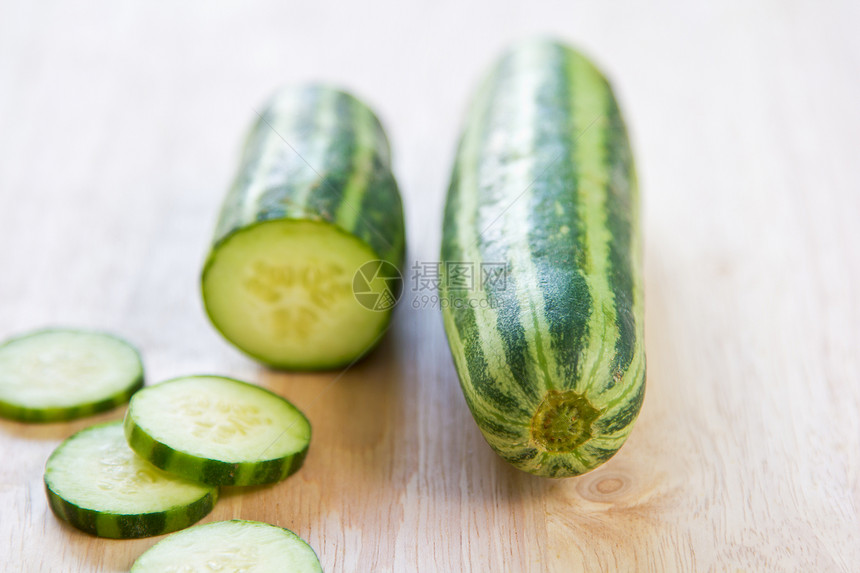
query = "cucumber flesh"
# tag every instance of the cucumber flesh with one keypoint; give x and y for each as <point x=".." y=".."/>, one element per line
<point x="281" y="291"/>
<point x="230" y="546"/>
<point x="218" y="431"/>
<point x="54" y="375"/>
<point x="98" y="484"/>
<point x="313" y="201"/>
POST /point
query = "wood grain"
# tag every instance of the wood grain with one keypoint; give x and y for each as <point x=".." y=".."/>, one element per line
<point x="120" y="125"/>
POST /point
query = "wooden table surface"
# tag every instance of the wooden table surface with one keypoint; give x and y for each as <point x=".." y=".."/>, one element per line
<point x="120" y="126"/>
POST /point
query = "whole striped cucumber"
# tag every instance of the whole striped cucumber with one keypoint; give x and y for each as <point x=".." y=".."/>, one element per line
<point x="303" y="272"/>
<point x="542" y="279"/>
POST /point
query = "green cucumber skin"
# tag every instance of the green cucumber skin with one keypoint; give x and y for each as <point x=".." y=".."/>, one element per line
<point x="126" y="526"/>
<point x="120" y="526"/>
<point x="212" y="472"/>
<point x="544" y="182"/>
<point x="318" y="153"/>
<point x="49" y="415"/>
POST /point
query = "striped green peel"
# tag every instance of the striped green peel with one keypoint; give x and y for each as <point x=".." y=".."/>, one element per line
<point x="97" y="484"/>
<point x="551" y="361"/>
<point x="314" y="201"/>
<point x="217" y="431"/>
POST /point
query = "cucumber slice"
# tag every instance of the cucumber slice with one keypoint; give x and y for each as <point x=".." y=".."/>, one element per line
<point x="280" y="289"/>
<point x="96" y="483"/>
<point x="217" y="431"/>
<point x="235" y="545"/>
<point x="54" y="375"/>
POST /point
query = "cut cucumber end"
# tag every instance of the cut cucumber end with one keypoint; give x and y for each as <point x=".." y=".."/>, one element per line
<point x="218" y="431"/>
<point x="235" y="545"/>
<point x="98" y="484"/>
<point x="56" y="375"/>
<point x="282" y="292"/>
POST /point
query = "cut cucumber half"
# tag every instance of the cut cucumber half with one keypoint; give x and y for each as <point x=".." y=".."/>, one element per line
<point x="217" y="431"/>
<point x="313" y="202"/>
<point x="54" y="375"/>
<point x="282" y="292"/>
<point x="96" y="483"/>
<point x="230" y="546"/>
